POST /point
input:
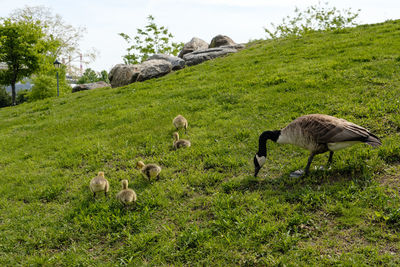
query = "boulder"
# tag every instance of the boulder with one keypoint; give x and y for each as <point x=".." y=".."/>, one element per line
<point x="236" y="46"/>
<point x="194" y="45"/>
<point x="198" y="57"/>
<point x="153" y="68"/>
<point x="122" y="74"/>
<point x="89" y="86"/>
<point x="221" y="40"/>
<point x="176" y="62"/>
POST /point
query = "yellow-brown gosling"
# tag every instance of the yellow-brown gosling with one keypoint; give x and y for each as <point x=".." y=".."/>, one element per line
<point x="317" y="133"/>
<point x="180" y="122"/>
<point x="149" y="170"/>
<point x="178" y="143"/>
<point x="99" y="184"/>
<point x="126" y="196"/>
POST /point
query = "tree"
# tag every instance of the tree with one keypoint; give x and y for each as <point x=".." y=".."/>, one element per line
<point x="313" y="18"/>
<point x="21" y="49"/>
<point x="66" y="37"/>
<point x="148" y="41"/>
<point x="90" y="76"/>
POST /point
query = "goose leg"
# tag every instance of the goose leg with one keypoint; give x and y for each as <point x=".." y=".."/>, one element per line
<point x="94" y="195"/>
<point x="330" y="159"/>
<point x="307" y="168"/>
<point x="300" y="173"/>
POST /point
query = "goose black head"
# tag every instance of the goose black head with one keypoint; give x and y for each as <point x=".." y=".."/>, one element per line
<point x="261" y="155"/>
<point x="258" y="163"/>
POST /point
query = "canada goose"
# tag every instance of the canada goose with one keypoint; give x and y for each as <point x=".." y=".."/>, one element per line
<point x="126" y="196"/>
<point x="317" y="133"/>
<point x="99" y="184"/>
<point x="178" y="143"/>
<point x="180" y="122"/>
<point x="148" y="170"/>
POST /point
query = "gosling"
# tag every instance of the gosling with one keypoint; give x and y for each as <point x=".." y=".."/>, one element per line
<point x="178" y="143"/>
<point x="99" y="184"/>
<point x="126" y="196"/>
<point x="180" y="122"/>
<point x="149" y="170"/>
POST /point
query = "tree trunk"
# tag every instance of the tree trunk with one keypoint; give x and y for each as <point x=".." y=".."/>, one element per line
<point x="13" y="94"/>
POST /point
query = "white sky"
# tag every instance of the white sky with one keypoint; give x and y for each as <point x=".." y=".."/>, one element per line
<point x="242" y="20"/>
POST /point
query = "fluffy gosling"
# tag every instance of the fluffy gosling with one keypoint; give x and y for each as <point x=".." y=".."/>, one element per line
<point x="126" y="196"/>
<point x="149" y="170"/>
<point x="178" y="143"/>
<point x="180" y="122"/>
<point x="99" y="184"/>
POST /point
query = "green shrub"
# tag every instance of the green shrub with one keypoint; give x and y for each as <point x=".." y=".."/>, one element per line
<point x="23" y="96"/>
<point x="44" y="86"/>
<point x="313" y="18"/>
<point x="5" y="98"/>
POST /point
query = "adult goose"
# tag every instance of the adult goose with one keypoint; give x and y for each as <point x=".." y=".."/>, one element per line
<point x="317" y="133"/>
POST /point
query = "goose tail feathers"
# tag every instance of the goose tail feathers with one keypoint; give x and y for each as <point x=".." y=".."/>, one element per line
<point x="373" y="140"/>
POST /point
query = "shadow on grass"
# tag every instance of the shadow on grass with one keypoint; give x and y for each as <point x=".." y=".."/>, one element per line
<point x="285" y="183"/>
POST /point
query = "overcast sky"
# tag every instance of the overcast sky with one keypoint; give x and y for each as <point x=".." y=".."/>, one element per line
<point x="242" y="20"/>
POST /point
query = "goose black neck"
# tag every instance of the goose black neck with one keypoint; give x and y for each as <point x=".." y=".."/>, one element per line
<point x="262" y="142"/>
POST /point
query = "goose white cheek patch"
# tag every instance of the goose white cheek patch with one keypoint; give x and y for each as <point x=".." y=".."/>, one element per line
<point x="261" y="160"/>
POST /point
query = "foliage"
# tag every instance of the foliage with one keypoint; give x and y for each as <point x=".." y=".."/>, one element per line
<point x="21" y="48"/>
<point x="313" y="18"/>
<point x="90" y="76"/>
<point x="23" y="96"/>
<point x="44" y="86"/>
<point x="207" y="208"/>
<point x="104" y="76"/>
<point x="65" y="36"/>
<point x="151" y="40"/>
<point x="5" y="98"/>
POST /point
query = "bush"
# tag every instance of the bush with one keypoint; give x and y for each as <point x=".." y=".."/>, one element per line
<point x="313" y="18"/>
<point x="23" y="96"/>
<point x="44" y="86"/>
<point x="5" y="98"/>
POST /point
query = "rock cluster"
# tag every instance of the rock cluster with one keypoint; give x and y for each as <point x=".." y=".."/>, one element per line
<point x="194" y="52"/>
<point x="89" y="86"/>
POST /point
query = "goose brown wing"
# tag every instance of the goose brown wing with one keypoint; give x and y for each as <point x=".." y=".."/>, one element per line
<point x="339" y="130"/>
<point x="328" y="129"/>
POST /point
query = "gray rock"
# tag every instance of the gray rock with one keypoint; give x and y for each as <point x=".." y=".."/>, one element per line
<point x="176" y="62"/>
<point x="89" y="86"/>
<point x="153" y="68"/>
<point x="194" y="45"/>
<point x="122" y="74"/>
<point x="198" y="57"/>
<point x="221" y="40"/>
<point x="236" y="46"/>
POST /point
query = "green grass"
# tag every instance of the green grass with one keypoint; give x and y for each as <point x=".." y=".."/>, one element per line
<point x="207" y="209"/>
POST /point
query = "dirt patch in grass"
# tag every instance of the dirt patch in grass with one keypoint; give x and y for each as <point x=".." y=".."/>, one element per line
<point x="391" y="181"/>
<point x="330" y="239"/>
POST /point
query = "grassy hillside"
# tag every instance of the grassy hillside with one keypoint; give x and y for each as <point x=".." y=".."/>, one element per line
<point x="207" y="208"/>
